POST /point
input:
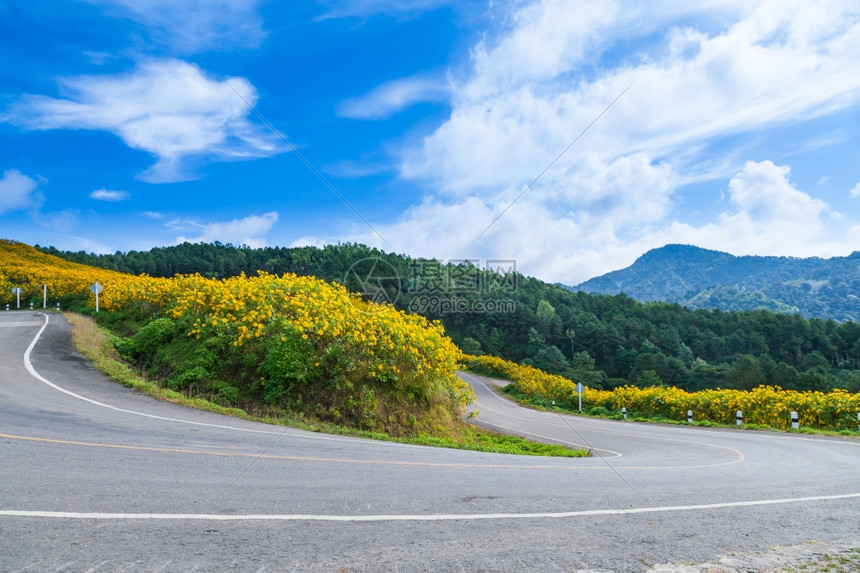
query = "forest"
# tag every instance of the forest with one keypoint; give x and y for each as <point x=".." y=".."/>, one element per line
<point x="604" y="341"/>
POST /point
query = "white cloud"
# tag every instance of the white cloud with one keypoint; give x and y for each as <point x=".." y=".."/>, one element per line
<point x="167" y="107"/>
<point x="530" y="92"/>
<point x="60" y="221"/>
<point x="768" y="215"/>
<point x="400" y="9"/>
<point x="364" y="167"/>
<point x="246" y="231"/>
<point x="762" y="192"/>
<point x="394" y="96"/>
<point x="856" y="191"/>
<point x="107" y="195"/>
<point x="309" y="241"/>
<point x="192" y="26"/>
<point x="17" y="191"/>
<point x="553" y="238"/>
<point x="702" y="73"/>
<point x="70" y="242"/>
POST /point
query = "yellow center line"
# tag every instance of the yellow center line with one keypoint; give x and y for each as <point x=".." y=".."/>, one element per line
<point x="569" y="466"/>
<point x="282" y="457"/>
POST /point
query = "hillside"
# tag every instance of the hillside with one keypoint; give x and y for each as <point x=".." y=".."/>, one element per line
<point x="290" y="346"/>
<point x="601" y="340"/>
<point x="701" y="278"/>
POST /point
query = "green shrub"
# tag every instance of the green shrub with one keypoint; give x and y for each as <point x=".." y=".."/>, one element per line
<point x="145" y="344"/>
<point x="599" y="411"/>
<point x="222" y="393"/>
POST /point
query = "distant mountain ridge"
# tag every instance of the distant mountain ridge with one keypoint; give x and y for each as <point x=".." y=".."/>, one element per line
<point x="702" y="278"/>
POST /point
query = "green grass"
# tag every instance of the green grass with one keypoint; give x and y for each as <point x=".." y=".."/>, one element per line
<point x="844" y="562"/>
<point x="96" y="344"/>
<point x="475" y="439"/>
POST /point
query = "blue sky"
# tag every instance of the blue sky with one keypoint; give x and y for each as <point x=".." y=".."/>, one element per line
<point x="739" y="129"/>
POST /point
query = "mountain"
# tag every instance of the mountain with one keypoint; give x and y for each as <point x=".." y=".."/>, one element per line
<point x="702" y="278"/>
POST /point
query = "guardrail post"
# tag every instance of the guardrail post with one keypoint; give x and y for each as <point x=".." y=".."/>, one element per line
<point x="794" y="424"/>
<point x="689" y="416"/>
<point x="740" y="418"/>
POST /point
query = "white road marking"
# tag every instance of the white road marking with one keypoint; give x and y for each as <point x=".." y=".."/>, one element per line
<point x="508" y="403"/>
<point x="406" y="517"/>
<point x="552" y="440"/>
<point x="29" y="366"/>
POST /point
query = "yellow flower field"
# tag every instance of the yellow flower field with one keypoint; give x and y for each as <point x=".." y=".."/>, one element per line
<point x="768" y="405"/>
<point x="24" y="267"/>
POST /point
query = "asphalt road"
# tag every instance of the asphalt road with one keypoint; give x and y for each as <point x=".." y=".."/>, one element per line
<point x="96" y="477"/>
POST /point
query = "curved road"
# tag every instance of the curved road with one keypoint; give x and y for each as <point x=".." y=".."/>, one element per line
<point x="95" y="477"/>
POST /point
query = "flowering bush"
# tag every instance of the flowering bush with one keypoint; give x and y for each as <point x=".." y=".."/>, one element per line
<point x="767" y="405"/>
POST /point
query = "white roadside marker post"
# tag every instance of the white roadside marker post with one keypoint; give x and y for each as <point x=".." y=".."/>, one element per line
<point x="740" y="418"/>
<point x="579" y="389"/>
<point x="97" y="288"/>
<point x="794" y="423"/>
<point x="689" y="416"/>
<point x="624" y="413"/>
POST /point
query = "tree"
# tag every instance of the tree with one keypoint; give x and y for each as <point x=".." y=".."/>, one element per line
<point x="549" y="359"/>
<point x="702" y="375"/>
<point x="471" y="346"/>
<point x="817" y="379"/>
<point x="571" y="334"/>
<point x="852" y="382"/>
<point x="625" y="360"/>
<point x="545" y="313"/>
<point x="536" y="342"/>
<point x="745" y="374"/>
<point x="685" y="355"/>
<point x="582" y="370"/>
<point x="648" y="378"/>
